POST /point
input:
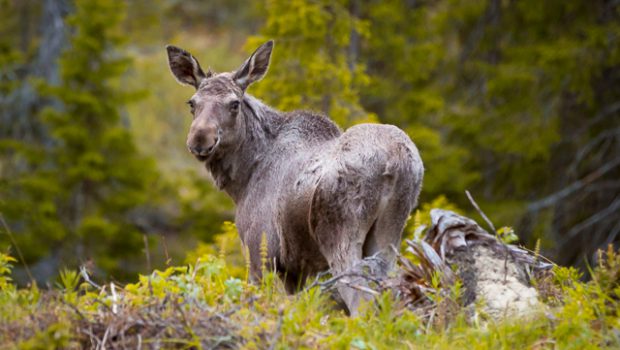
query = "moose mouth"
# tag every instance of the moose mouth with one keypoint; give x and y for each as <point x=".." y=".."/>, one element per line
<point x="206" y="154"/>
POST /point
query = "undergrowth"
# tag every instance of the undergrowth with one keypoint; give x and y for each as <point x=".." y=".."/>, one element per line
<point x="201" y="306"/>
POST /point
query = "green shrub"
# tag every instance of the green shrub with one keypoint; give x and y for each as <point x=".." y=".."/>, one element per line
<point x="202" y="306"/>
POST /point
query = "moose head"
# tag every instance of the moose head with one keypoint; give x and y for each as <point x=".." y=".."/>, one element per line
<point x="218" y="99"/>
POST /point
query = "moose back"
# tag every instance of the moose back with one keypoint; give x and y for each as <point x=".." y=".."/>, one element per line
<point x="323" y="198"/>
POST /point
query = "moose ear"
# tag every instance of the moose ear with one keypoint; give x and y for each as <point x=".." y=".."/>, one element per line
<point x="185" y="67"/>
<point x="255" y="67"/>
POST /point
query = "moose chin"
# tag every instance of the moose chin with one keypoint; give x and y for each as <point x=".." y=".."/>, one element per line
<point x="323" y="198"/>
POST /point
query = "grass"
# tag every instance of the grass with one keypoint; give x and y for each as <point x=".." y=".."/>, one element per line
<point x="201" y="306"/>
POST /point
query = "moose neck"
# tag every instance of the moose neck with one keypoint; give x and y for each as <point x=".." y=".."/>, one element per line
<point x="233" y="171"/>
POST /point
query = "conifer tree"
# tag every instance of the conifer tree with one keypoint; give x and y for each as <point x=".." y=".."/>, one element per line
<point x="311" y="66"/>
<point x="83" y="197"/>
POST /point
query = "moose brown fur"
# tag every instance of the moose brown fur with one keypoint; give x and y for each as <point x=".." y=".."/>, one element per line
<point x="322" y="197"/>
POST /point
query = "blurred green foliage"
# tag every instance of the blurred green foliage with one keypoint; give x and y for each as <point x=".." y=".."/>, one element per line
<point x="310" y="67"/>
<point x="76" y="196"/>
<point x="86" y="194"/>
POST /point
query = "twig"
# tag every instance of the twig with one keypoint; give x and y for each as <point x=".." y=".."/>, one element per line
<point x="165" y="246"/>
<point x="86" y="278"/>
<point x="538" y="256"/>
<point x="146" y="252"/>
<point x="114" y="298"/>
<point x="317" y="279"/>
<point x="473" y="202"/>
<point x="332" y="281"/>
<point x="19" y="251"/>
<point x="361" y="288"/>
<point x="92" y="337"/>
<point x="105" y="337"/>
<point x="349" y="273"/>
<point x="193" y="278"/>
<point x="507" y="250"/>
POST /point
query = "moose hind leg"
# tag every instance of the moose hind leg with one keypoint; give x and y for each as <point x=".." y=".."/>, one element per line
<point x="385" y="233"/>
<point x="346" y="260"/>
<point x="341" y="238"/>
<point x="398" y="198"/>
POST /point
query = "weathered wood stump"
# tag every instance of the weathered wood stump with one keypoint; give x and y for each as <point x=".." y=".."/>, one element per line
<point x="493" y="274"/>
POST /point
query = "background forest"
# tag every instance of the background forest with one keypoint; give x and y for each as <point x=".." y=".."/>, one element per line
<point x="516" y="101"/>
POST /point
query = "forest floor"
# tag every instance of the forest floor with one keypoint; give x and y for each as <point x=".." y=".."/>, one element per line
<point x="459" y="287"/>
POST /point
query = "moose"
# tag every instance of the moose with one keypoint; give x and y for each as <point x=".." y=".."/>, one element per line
<point x="322" y="198"/>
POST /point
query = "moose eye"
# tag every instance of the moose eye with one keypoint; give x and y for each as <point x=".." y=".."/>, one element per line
<point x="191" y="105"/>
<point x="234" y="106"/>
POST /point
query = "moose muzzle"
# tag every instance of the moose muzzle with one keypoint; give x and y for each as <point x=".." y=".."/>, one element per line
<point x="202" y="142"/>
